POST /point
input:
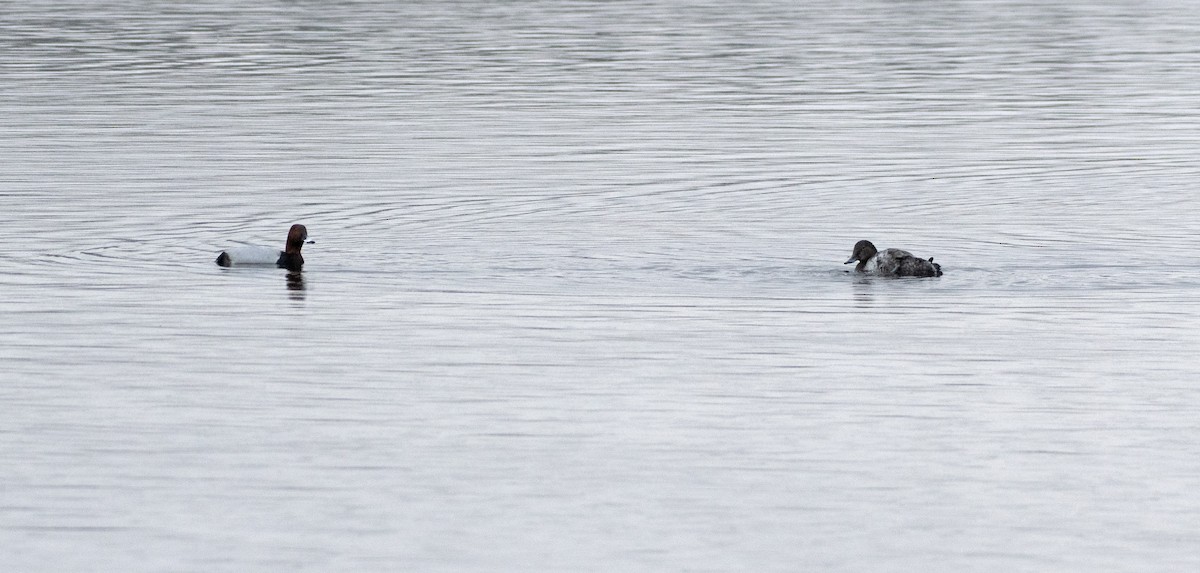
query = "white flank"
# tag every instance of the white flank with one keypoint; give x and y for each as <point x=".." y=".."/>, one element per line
<point x="253" y="255"/>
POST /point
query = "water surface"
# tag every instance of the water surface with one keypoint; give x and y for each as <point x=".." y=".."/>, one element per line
<point x="576" y="300"/>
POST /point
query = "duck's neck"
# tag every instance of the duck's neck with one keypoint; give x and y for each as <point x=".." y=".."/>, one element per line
<point x="862" y="265"/>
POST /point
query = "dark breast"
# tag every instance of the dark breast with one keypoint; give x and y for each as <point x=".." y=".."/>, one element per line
<point x="290" y="261"/>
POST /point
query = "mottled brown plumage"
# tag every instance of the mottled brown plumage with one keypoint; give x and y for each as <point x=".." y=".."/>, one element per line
<point x="891" y="262"/>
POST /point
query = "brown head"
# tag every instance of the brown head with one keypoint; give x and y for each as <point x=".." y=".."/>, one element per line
<point x="296" y="237"/>
<point x="863" y="250"/>
<point x="290" y="258"/>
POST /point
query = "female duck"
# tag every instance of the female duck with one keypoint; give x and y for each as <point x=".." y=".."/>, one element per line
<point x="289" y="258"/>
<point x="891" y="262"/>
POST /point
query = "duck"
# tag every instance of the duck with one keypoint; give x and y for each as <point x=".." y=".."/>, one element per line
<point x="289" y="258"/>
<point x="891" y="262"/>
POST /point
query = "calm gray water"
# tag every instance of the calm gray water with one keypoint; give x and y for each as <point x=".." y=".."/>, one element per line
<point x="577" y="300"/>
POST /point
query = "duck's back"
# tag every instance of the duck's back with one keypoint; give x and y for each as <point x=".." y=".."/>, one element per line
<point x="902" y="263"/>
<point x="249" y="255"/>
<point x="887" y="261"/>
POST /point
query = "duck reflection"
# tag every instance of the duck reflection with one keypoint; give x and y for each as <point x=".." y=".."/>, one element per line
<point x="295" y="285"/>
<point x="864" y="291"/>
